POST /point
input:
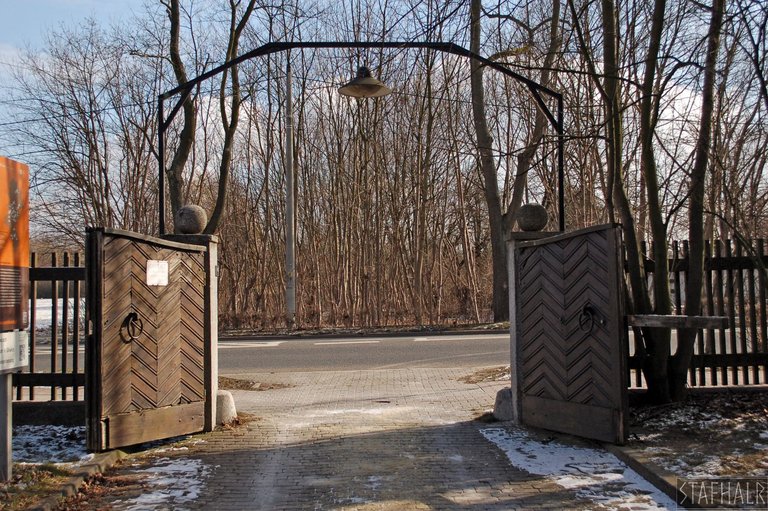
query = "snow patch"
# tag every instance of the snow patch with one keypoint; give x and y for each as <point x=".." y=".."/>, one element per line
<point x="374" y="482"/>
<point x="49" y="444"/>
<point x="172" y="483"/>
<point x="596" y="475"/>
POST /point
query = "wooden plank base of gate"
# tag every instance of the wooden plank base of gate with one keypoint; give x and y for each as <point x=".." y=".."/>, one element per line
<point x="139" y="427"/>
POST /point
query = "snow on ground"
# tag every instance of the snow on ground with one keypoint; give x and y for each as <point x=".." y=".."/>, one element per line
<point x="594" y="474"/>
<point x="173" y="482"/>
<point x="49" y="444"/>
<point x="717" y="436"/>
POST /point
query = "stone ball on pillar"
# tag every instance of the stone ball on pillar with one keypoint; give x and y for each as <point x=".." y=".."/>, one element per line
<point x="532" y="217"/>
<point x="191" y="219"/>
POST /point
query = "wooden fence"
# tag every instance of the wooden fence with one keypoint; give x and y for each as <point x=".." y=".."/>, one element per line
<point x="62" y="373"/>
<point x="734" y="286"/>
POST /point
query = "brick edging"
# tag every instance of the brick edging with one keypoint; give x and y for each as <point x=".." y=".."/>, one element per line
<point x="662" y="479"/>
<point x="98" y="464"/>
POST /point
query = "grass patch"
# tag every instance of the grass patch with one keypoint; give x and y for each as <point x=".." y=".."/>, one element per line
<point x="30" y="483"/>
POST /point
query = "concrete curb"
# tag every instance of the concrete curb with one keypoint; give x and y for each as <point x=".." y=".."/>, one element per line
<point x="662" y="479"/>
<point x="100" y="463"/>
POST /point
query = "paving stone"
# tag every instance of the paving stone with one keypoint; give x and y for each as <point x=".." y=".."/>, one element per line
<point x="395" y="439"/>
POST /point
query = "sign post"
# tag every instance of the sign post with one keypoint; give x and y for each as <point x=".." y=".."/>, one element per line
<point x="14" y="293"/>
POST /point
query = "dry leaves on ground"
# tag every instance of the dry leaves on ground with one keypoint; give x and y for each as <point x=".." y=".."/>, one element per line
<point x="226" y="383"/>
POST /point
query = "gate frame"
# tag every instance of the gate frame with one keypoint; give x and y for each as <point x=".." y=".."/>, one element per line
<point x="94" y="257"/>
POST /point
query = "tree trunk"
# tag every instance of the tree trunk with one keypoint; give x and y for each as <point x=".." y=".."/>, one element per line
<point x="657" y="341"/>
<point x="230" y="125"/>
<point x="694" y="278"/>
<point x="187" y="137"/>
<point x="497" y="220"/>
<point x="540" y="125"/>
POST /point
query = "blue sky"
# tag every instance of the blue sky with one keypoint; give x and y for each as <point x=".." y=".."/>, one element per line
<point x="26" y="21"/>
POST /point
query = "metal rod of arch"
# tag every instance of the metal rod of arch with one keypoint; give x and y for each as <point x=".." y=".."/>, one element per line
<point x="536" y="90"/>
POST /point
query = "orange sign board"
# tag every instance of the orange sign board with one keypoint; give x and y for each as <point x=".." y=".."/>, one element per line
<point x="14" y="244"/>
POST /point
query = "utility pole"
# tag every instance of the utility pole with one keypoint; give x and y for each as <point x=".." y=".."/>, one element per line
<point x="290" y="234"/>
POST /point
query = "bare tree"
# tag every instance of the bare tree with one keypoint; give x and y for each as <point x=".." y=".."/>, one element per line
<point x="84" y="124"/>
<point x="694" y="281"/>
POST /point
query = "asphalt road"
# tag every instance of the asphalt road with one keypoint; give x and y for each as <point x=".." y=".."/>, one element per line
<point x="347" y="353"/>
<point x="326" y="354"/>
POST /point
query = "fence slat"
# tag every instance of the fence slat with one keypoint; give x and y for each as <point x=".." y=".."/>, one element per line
<point x="732" y="313"/>
<point x="721" y="334"/>
<point x="708" y="344"/>
<point x="54" y="325"/>
<point x="709" y="347"/>
<point x="752" y="312"/>
<point x="76" y="332"/>
<point x="763" y="344"/>
<point x="64" y="323"/>
<point x="742" y="312"/>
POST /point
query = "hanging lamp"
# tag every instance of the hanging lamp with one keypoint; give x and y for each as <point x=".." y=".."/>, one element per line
<point x="364" y="85"/>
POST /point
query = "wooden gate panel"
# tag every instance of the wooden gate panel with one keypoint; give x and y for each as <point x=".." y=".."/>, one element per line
<point x="192" y="327"/>
<point x="571" y="352"/>
<point x="153" y="377"/>
<point x="540" y="300"/>
<point x="589" y="283"/>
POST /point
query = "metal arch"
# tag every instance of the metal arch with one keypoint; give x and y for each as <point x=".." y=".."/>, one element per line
<point x="536" y="90"/>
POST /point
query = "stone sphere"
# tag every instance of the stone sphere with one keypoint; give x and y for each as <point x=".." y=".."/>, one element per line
<point x="191" y="219"/>
<point x="532" y="217"/>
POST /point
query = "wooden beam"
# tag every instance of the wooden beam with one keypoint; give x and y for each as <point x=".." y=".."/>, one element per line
<point x="664" y="321"/>
<point x="49" y="379"/>
<point x="58" y="273"/>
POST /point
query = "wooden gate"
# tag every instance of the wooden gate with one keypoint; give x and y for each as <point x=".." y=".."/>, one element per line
<point x="571" y="351"/>
<point x="146" y="353"/>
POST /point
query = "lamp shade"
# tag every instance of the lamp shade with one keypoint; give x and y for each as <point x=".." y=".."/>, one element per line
<point x="364" y="86"/>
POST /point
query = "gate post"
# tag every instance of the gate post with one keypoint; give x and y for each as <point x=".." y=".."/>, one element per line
<point x="6" y="432"/>
<point x="211" y="325"/>
<point x="211" y="331"/>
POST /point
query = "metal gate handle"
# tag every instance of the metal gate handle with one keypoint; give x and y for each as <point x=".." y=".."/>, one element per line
<point x="133" y="326"/>
<point x="589" y="315"/>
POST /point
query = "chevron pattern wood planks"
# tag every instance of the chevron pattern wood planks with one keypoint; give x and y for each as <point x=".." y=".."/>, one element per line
<point x="150" y="357"/>
<point x="571" y="350"/>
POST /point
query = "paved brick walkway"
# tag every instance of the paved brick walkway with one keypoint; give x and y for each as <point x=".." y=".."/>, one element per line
<point x="386" y="440"/>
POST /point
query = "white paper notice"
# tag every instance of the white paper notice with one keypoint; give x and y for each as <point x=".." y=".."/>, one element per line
<point x="157" y="273"/>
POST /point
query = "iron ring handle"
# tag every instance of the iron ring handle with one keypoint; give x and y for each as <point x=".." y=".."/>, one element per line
<point x="588" y="317"/>
<point x="133" y="326"/>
